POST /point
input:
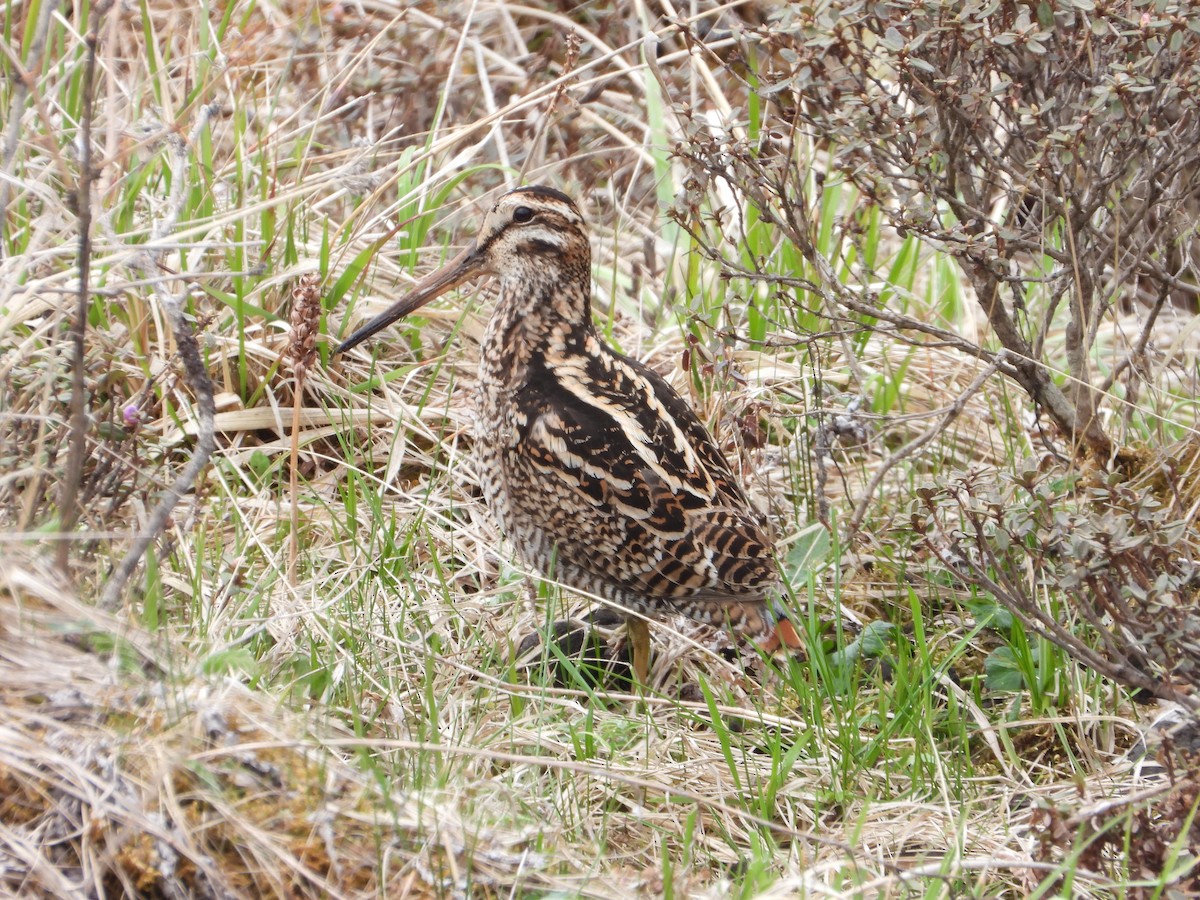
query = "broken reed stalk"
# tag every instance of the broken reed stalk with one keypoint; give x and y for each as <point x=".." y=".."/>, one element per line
<point x="302" y="350"/>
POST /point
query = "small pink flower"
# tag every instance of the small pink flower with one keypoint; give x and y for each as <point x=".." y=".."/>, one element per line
<point x="132" y="415"/>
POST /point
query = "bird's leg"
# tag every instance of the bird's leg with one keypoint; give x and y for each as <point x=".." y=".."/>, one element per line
<point x="638" y="633"/>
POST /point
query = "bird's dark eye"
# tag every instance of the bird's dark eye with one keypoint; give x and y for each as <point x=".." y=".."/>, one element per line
<point x="522" y="214"/>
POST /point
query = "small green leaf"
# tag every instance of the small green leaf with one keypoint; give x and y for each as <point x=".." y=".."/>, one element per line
<point x="1002" y="671"/>
<point x="807" y="552"/>
<point x="873" y="642"/>
<point x="991" y="614"/>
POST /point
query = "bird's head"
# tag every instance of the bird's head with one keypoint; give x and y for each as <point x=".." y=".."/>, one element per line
<point x="534" y="235"/>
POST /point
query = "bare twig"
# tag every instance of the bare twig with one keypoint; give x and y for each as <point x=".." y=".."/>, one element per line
<point x="949" y="414"/>
<point x="196" y="374"/>
<point x="68" y="502"/>
<point x="197" y="377"/>
<point x="1143" y="338"/>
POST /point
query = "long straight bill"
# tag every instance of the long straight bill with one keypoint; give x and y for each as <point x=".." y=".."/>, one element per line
<point x="460" y="269"/>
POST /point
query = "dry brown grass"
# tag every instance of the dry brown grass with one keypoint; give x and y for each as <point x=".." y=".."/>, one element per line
<point x="120" y="780"/>
<point x="351" y="725"/>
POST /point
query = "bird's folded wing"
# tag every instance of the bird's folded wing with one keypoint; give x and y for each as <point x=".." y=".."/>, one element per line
<point x="635" y="490"/>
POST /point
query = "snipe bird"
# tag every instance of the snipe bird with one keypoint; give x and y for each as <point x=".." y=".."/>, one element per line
<point x="591" y="463"/>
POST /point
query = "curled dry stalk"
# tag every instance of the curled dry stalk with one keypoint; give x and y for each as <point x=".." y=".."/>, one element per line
<point x="302" y="351"/>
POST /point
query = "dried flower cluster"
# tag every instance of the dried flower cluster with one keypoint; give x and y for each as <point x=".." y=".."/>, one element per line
<point x="306" y="324"/>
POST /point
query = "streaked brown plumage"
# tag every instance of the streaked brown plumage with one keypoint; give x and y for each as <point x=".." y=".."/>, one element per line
<point x="591" y="463"/>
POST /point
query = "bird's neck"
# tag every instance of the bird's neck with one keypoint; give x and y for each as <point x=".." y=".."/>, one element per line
<point x="535" y="318"/>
